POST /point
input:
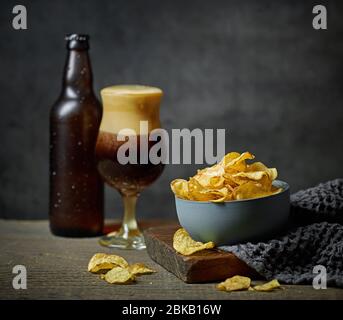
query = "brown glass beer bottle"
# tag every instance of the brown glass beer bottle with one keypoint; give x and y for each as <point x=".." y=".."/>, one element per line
<point x="76" y="189"/>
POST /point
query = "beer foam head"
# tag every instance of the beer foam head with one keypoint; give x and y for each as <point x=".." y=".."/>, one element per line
<point x="124" y="106"/>
<point x="130" y="89"/>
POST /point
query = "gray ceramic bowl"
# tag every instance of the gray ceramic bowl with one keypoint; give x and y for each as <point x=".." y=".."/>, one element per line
<point x="236" y="221"/>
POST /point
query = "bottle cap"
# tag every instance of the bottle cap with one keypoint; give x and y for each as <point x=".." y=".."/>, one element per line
<point x="77" y="41"/>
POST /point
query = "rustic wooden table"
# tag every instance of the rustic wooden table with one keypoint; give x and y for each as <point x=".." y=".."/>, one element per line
<point x="57" y="269"/>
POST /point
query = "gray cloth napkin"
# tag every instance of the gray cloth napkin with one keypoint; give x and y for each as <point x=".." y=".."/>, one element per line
<point x="314" y="238"/>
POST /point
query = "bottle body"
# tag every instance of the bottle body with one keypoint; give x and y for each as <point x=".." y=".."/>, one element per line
<point x="76" y="189"/>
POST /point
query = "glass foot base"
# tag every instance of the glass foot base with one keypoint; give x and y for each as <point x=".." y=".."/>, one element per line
<point x="115" y="240"/>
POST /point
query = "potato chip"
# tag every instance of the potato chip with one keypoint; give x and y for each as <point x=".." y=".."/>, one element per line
<point x="256" y="175"/>
<point x="119" y="275"/>
<point x="221" y="195"/>
<point x="184" y="244"/>
<point x="269" y="286"/>
<point x="231" y="179"/>
<point x="211" y="177"/>
<point x="139" y="269"/>
<point x="229" y="157"/>
<point x="259" y="166"/>
<point x="102" y="262"/>
<point x="235" y="161"/>
<point x="180" y="188"/>
<point x="235" y="283"/>
<point x="200" y="193"/>
<point x="250" y="190"/>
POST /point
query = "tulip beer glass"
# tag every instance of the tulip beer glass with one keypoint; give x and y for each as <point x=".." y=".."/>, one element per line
<point x="125" y="108"/>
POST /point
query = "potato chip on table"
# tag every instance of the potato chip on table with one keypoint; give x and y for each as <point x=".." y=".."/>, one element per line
<point x="102" y="262"/>
<point x="115" y="269"/>
<point x="140" y="269"/>
<point x="269" y="286"/>
<point x="119" y="275"/>
<point x="235" y="283"/>
<point x="240" y="283"/>
<point x="184" y="244"/>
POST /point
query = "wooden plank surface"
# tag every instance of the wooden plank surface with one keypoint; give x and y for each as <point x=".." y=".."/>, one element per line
<point x="204" y="266"/>
<point x="57" y="269"/>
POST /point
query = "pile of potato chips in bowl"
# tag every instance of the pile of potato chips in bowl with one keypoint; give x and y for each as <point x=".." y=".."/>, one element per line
<point x="235" y="200"/>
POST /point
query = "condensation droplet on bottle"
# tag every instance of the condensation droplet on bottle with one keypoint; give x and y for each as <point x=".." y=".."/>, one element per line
<point x="59" y="201"/>
<point x="79" y="143"/>
<point x="54" y="133"/>
<point x="56" y="205"/>
<point x="58" y="194"/>
<point x="54" y="173"/>
<point x="73" y="187"/>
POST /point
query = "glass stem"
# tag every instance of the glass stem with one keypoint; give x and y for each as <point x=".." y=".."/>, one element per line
<point x="129" y="226"/>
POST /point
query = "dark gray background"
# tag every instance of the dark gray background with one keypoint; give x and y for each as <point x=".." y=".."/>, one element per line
<point x="256" y="68"/>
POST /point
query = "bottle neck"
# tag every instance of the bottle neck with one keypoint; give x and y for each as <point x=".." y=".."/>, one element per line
<point x="78" y="78"/>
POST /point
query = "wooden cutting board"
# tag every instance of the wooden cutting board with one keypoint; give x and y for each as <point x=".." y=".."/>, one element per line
<point x="203" y="266"/>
